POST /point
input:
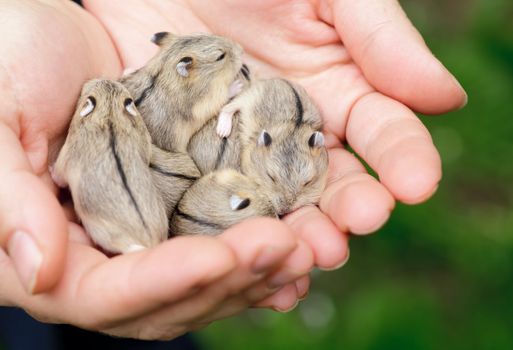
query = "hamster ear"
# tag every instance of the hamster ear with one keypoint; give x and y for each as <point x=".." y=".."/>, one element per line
<point x="88" y="107"/>
<point x="158" y="38"/>
<point x="183" y="66"/>
<point x="316" y="140"/>
<point x="130" y="107"/>
<point x="264" y="139"/>
<point x="237" y="203"/>
<point x="245" y="72"/>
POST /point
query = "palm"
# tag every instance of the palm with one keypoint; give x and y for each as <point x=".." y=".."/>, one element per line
<point x="294" y="43"/>
<point x="302" y="40"/>
<point x="135" y="295"/>
<point x="281" y="38"/>
<point x="305" y="49"/>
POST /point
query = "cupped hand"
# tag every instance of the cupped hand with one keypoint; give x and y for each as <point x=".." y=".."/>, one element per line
<point x="48" y="266"/>
<point x="363" y="63"/>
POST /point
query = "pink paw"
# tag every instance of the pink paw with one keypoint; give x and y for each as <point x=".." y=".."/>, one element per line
<point x="224" y="124"/>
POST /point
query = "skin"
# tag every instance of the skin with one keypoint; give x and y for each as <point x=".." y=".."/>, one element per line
<point x="130" y="295"/>
<point x="350" y="82"/>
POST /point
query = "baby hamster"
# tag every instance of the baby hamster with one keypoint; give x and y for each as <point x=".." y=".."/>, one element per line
<point x="211" y="152"/>
<point x="185" y="85"/>
<point x="280" y="141"/>
<point x="105" y="161"/>
<point x="173" y="173"/>
<point x="218" y="201"/>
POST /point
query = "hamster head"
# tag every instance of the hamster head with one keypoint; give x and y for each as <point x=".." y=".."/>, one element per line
<point x="200" y="59"/>
<point x="237" y="192"/>
<point x="104" y="103"/>
<point x="291" y="164"/>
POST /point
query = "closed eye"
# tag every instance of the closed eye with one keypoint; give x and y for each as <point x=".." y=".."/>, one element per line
<point x="272" y="178"/>
<point x="308" y="183"/>
<point x="221" y="56"/>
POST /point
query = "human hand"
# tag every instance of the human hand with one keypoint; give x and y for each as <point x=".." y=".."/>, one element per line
<point x="363" y="63"/>
<point x="183" y="284"/>
<point x="160" y="293"/>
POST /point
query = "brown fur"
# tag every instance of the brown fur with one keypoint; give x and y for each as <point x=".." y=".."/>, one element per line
<point x="289" y="170"/>
<point x="173" y="173"/>
<point x="105" y="162"/>
<point x="206" y="206"/>
<point x="174" y="107"/>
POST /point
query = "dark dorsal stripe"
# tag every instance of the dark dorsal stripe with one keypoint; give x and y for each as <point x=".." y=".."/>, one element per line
<point x="221" y="153"/>
<point x="146" y="91"/>
<point x="169" y="173"/>
<point x="121" y="171"/>
<point x="299" y="106"/>
<point x="196" y="220"/>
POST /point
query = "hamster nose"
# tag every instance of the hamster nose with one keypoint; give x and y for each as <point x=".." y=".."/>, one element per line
<point x="283" y="208"/>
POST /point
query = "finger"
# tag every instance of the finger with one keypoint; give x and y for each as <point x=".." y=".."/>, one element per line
<point x="354" y="200"/>
<point x="302" y="287"/>
<point x="259" y="245"/>
<point x="279" y="297"/>
<point x="284" y="300"/>
<point x="394" y="57"/>
<point x="77" y="234"/>
<point x="328" y="243"/>
<point x="32" y="224"/>
<point x="395" y="143"/>
<point x="297" y="265"/>
<point x="131" y="285"/>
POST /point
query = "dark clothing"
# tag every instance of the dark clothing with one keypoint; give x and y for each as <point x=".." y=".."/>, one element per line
<point x="18" y="331"/>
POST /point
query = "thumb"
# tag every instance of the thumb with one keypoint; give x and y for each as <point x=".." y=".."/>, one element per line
<point x="393" y="56"/>
<point x="32" y="223"/>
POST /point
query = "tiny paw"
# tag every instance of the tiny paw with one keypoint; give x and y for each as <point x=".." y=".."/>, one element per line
<point x="224" y="124"/>
<point x="235" y="88"/>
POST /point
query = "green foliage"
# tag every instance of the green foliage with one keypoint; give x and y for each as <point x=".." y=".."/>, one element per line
<point x="438" y="275"/>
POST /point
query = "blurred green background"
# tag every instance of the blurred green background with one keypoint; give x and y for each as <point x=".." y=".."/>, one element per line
<point x="438" y="275"/>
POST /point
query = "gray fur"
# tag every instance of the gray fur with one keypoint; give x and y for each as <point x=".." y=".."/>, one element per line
<point x="211" y="152"/>
<point x="206" y="208"/>
<point x="173" y="173"/>
<point x="173" y="106"/>
<point x="292" y="173"/>
<point x="105" y="162"/>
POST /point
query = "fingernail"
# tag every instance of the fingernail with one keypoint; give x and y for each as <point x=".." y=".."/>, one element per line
<point x="284" y="311"/>
<point x="26" y="258"/>
<point x="339" y="265"/>
<point x="266" y="259"/>
<point x="302" y="289"/>
<point x="465" y="101"/>
<point x="281" y="278"/>
<point x="303" y="296"/>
